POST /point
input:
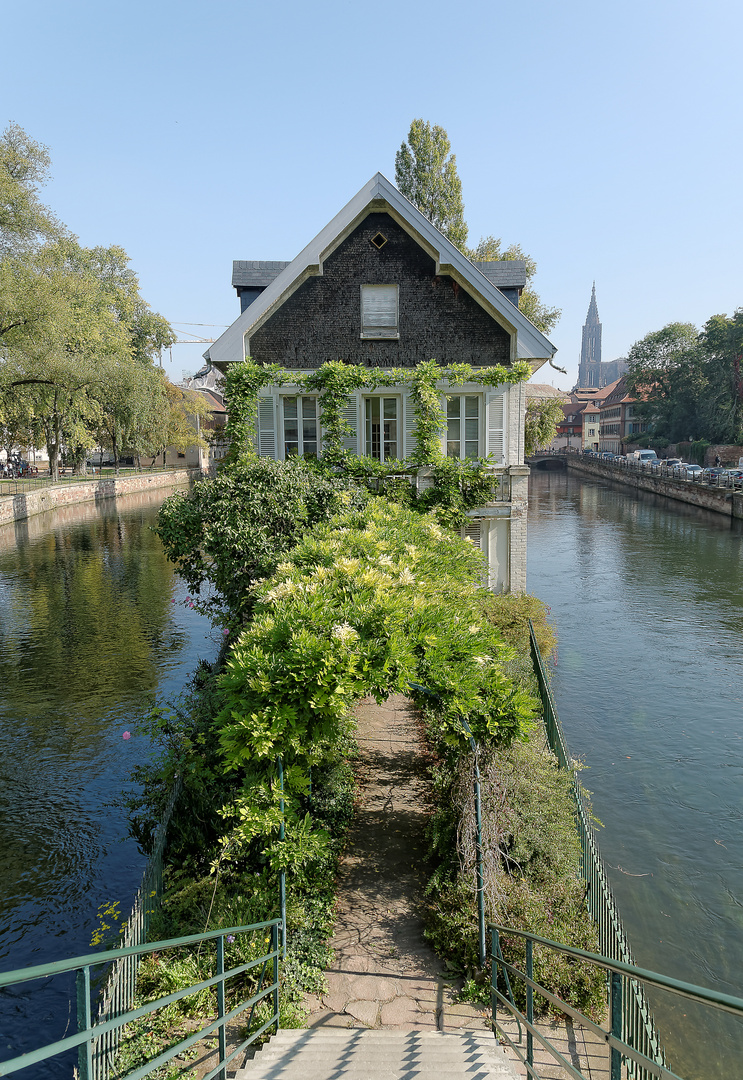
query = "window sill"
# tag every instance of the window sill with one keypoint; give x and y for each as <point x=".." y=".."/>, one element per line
<point x="380" y="337"/>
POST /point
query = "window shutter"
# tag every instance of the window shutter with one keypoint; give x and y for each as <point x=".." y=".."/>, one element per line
<point x="409" y="425"/>
<point x="266" y="426"/>
<point x="351" y="416"/>
<point x="496" y="435"/>
<point x="473" y="532"/>
<point x="379" y="310"/>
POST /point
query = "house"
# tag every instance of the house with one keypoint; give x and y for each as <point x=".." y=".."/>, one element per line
<point x="619" y="419"/>
<point x="380" y="286"/>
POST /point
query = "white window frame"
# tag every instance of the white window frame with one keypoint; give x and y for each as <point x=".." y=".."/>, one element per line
<point x="399" y="435"/>
<point x="371" y="328"/>
<point x="299" y="398"/>
<point x="462" y="417"/>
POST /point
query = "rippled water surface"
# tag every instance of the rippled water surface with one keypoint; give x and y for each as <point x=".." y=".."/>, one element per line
<point x="88" y="632"/>
<point x="647" y="598"/>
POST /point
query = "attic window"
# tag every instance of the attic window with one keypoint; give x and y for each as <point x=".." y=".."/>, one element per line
<point x="379" y="311"/>
<point x="379" y="240"/>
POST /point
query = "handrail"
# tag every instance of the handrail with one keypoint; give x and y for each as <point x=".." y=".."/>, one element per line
<point x="636" y="1019"/>
<point x="41" y="971"/>
<point x="90" y="1033"/>
<point x="623" y="976"/>
<point x="725" y="1002"/>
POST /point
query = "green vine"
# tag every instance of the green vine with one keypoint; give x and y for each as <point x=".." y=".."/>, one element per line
<point x="335" y="381"/>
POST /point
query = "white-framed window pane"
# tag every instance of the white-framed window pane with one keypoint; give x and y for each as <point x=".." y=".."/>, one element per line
<point x="300" y="426"/>
<point x="463" y="426"/>
<point x="381" y="416"/>
<point x="379" y="309"/>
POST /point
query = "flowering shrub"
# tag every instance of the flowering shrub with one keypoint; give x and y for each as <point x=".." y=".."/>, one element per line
<point x="371" y="602"/>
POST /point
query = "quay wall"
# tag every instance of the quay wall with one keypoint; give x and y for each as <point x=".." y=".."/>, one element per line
<point x="721" y="500"/>
<point x="37" y="501"/>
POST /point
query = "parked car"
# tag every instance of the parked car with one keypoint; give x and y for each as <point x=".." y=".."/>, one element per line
<point x="672" y="462"/>
<point x="692" y="472"/>
<point x="710" y="475"/>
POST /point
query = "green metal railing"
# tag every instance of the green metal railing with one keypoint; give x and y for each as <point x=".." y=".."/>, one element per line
<point x="638" y="1026"/>
<point x="91" y="1039"/>
<point x="119" y="988"/>
<point x="619" y="1039"/>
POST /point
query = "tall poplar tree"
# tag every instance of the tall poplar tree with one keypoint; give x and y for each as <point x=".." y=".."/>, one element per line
<point x="426" y="173"/>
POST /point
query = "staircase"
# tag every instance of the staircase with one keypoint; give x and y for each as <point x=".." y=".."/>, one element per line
<point x="380" y="1054"/>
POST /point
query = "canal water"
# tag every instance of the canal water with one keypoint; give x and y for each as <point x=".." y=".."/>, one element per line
<point x="92" y="625"/>
<point x="647" y="598"/>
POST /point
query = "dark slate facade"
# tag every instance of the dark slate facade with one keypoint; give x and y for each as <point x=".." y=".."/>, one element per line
<point x="437" y="318"/>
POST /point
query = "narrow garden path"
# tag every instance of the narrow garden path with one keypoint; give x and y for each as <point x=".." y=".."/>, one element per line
<point x="385" y="974"/>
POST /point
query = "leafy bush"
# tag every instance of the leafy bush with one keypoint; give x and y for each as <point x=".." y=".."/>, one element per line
<point x="233" y="529"/>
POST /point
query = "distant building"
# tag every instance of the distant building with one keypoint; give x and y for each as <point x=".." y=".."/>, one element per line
<point x="619" y="419"/>
<point x="592" y="371"/>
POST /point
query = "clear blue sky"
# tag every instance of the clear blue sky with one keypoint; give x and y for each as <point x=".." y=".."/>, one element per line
<point x="605" y="138"/>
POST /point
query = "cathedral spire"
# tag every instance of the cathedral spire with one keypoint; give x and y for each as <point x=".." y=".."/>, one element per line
<point x="593" y="310"/>
<point x="589" y="370"/>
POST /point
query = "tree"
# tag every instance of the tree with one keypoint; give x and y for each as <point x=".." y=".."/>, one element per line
<point x="77" y="339"/>
<point x="721" y="345"/>
<point x="489" y="250"/>
<point x="666" y="375"/>
<point x="542" y="417"/>
<point x="24" y="167"/>
<point x="426" y="173"/>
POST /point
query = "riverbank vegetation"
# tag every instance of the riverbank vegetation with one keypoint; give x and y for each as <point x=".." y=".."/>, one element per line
<point x="78" y="342"/>
<point x="690" y="383"/>
<point x="327" y="593"/>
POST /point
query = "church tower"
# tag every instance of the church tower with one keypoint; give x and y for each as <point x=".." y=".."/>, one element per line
<point x="589" y="371"/>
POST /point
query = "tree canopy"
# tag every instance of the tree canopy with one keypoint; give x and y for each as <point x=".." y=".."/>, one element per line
<point x="78" y="342"/>
<point x="426" y="173"/>
<point x="689" y="383"/>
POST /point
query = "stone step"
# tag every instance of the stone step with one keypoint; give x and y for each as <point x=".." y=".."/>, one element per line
<point x="372" y="1070"/>
<point x="354" y="1035"/>
<point x="379" y="1054"/>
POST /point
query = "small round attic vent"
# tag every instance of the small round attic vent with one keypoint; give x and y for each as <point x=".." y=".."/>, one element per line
<point x="379" y="240"/>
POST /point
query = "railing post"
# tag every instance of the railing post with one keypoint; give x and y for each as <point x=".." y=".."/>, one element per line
<point x="616" y="1024"/>
<point x="84" y="1022"/>
<point x="282" y="872"/>
<point x="275" y="951"/>
<point x="529" y="1001"/>
<point x="478" y="853"/>
<point x="494" y="950"/>
<point x="222" y="1074"/>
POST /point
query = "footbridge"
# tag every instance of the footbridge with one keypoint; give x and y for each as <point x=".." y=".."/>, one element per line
<point x="547" y="461"/>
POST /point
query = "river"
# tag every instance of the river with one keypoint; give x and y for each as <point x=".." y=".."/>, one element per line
<point x="93" y="624"/>
<point x="647" y="598"/>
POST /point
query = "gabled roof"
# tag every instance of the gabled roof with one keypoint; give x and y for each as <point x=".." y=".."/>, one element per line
<point x="381" y="195"/>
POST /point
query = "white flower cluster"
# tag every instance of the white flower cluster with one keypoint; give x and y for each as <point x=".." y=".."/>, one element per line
<point x="406" y="578"/>
<point x="284" y="588"/>
<point x="345" y="633"/>
<point x="385" y="560"/>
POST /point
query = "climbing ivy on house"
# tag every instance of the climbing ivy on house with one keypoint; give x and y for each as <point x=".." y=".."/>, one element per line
<point x="334" y="381"/>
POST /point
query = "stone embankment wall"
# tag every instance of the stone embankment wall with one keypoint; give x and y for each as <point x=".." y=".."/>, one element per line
<point x="721" y="500"/>
<point x="67" y="493"/>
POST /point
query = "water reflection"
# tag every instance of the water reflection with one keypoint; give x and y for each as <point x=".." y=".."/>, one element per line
<point x="647" y="596"/>
<point x="88" y="632"/>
